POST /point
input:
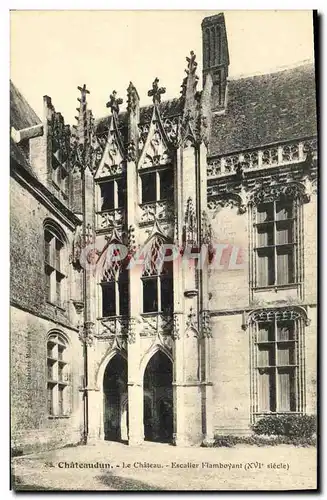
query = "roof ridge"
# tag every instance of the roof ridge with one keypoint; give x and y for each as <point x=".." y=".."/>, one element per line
<point x="278" y="69"/>
<point x="150" y="105"/>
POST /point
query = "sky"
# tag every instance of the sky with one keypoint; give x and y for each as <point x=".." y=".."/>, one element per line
<point x="52" y="52"/>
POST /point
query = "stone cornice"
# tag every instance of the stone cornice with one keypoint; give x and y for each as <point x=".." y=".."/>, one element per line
<point x="256" y="159"/>
<point x="42" y="193"/>
<point x="297" y="180"/>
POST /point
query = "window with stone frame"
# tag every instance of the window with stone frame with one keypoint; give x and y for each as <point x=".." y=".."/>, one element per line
<point x="112" y="194"/>
<point x="157" y="279"/>
<point x="58" y="376"/>
<point x="157" y="186"/>
<point x="114" y="290"/>
<point x="275" y="243"/>
<point x="276" y="365"/>
<point x="54" y="262"/>
<point x="277" y="362"/>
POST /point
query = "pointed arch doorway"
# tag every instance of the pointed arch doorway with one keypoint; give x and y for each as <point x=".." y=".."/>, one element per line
<point x="115" y="402"/>
<point x="158" y="399"/>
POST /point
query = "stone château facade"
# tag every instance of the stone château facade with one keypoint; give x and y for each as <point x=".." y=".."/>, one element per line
<point x="101" y="349"/>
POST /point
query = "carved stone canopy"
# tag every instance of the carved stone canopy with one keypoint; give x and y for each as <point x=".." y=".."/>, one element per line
<point x="272" y="314"/>
<point x="269" y="193"/>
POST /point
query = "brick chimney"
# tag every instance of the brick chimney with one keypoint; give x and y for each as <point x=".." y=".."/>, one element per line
<point x="215" y="58"/>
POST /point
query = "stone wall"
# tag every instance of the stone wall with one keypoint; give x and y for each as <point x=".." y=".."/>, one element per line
<point x="31" y="427"/>
<point x="229" y="294"/>
<point x="32" y="318"/>
<point x="230" y="374"/>
<point x="27" y="277"/>
<point x="310" y="250"/>
<point x="228" y="273"/>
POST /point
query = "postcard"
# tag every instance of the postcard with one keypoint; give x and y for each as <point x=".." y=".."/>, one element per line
<point x="163" y="188"/>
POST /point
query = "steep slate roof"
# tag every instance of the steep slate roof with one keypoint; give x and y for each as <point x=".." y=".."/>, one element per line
<point x="21" y="113"/>
<point x="17" y="154"/>
<point x="260" y="110"/>
<point x="266" y="109"/>
<point x="21" y="116"/>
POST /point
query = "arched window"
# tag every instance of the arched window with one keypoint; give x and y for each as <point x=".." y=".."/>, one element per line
<point x="58" y="376"/>
<point x="54" y="262"/>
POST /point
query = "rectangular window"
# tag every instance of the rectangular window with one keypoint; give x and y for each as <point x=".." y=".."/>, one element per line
<point x="166" y="184"/>
<point x="61" y="399"/>
<point x="58" y="248"/>
<point x="275" y="243"/>
<point x="61" y="350"/>
<point x="166" y="283"/>
<point x="47" y="247"/>
<point x="50" y="399"/>
<point x="50" y="348"/>
<point x="123" y="297"/>
<point x="61" y="371"/>
<point x="107" y="196"/>
<point x="53" y="264"/>
<point x="112" y="195"/>
<point x="108" y="299"/>
<point x="48" y="273"/>
<point x="158" y="294"/>
<point x="149" y="187"/>
<point x="50" y="369"/>
<point x="58" y="288"/>
<point x="157" y="185"/>
<point x="120" y="193"/>
<point x="58" y="376"/>
<point x="276" y="366"/>
<point x="150" y="295"/>
<point x="115" y="297"/>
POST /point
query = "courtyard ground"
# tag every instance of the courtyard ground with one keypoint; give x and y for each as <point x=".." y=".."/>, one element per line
<point x="240" y="468"/>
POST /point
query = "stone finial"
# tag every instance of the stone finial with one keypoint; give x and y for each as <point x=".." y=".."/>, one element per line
<point x="156" y="92"/>
<point x="191" y="79"/>
<point x="82" y="147"/>
<point x="191" y="63"/>
<point x="114" y="102"/>
<point x="81" y="127"/>
<point x="132" y="98"/>
<point x="83" y="90"/>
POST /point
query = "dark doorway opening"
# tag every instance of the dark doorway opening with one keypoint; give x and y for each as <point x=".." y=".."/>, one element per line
<point x="158" y="399"/>
<point x="115" y="412"/>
